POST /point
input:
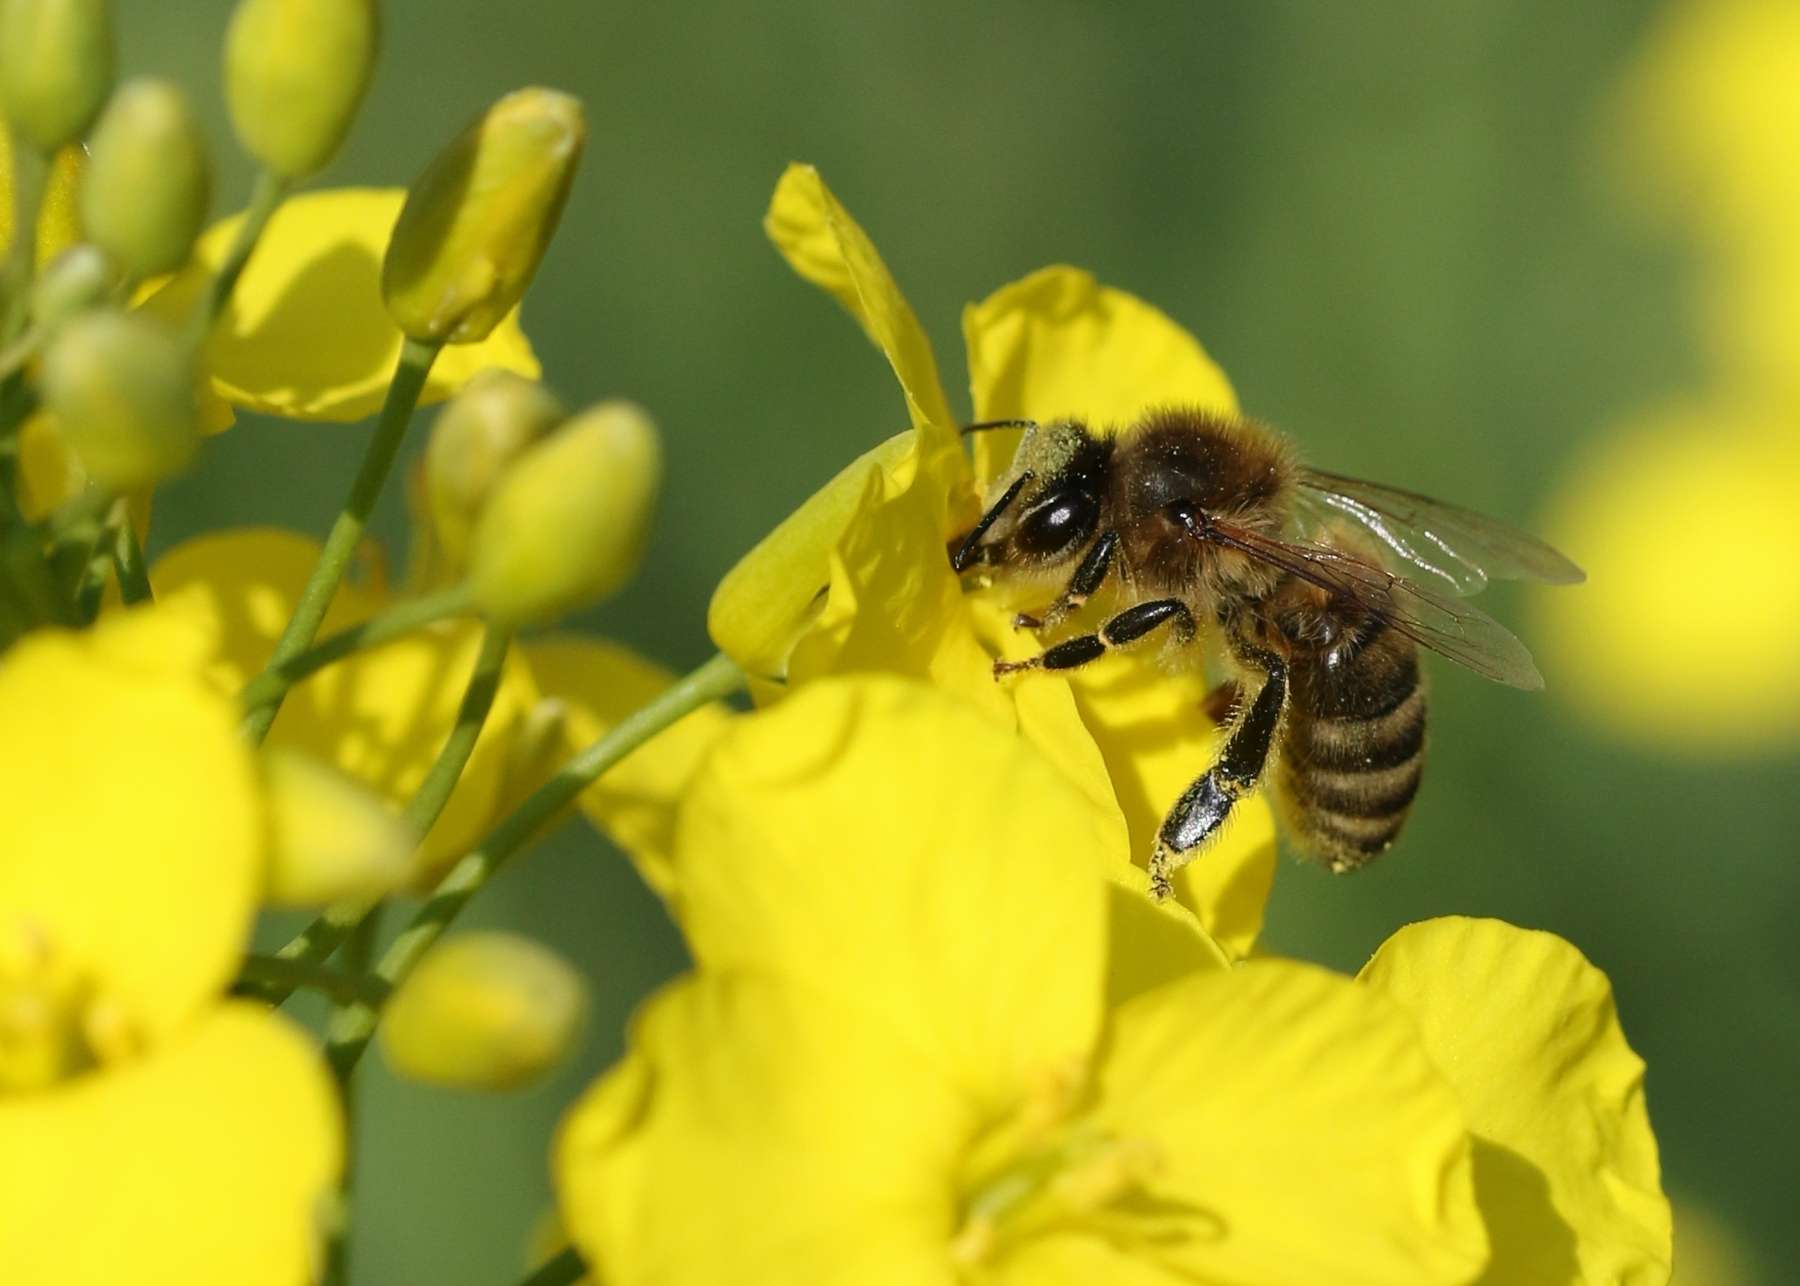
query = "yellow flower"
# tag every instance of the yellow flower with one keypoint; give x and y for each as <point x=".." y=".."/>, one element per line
<point x="152" y="1131"/>
<point x="59" y="225"/>
<point x="305" y="335"/>
<point x="1687" y="524"/>
<point x="907" y="1057"/>
<point x="1055" y="344"/>
<point x="381" y="715"/>
<point x="1523" y="1027"/>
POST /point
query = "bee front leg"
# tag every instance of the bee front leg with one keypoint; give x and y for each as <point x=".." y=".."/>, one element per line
<point x="1203" y="807"/>
<point x="1088" y="577"/>
<point x="1128" y="626"/>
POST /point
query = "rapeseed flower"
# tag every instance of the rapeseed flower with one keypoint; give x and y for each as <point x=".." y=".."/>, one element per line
<point x="381" y="715"/>
<point x="1057" y="343"/>
<point x="932" y="1037"/>
<point x="153" y="1131"/>
<point x="1694" y="496"/>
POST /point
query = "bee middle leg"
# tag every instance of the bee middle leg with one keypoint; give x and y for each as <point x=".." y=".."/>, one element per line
<point x="1127" y="627"/>
<point x="1204" y="806"/>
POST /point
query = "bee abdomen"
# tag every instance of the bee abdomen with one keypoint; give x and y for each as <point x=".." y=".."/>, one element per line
<point x="1348" y="782"/>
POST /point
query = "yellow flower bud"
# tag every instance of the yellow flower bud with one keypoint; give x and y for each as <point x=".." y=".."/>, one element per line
<point x="329" y="837"/>
<point x="484" y="1011"/>
<point x="122" y="389"/>
<point x="473" y="441"/>
<point x="145" y="192"/>
<point x="295" y="71"/>
<point x="56" y="64"/>
<point x="566" y="524"/>
<point x="77" y="279"/>
<point x="476" y="222"/>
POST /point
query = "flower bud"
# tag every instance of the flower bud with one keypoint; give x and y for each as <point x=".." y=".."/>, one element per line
<point x="145" y="192"/>
<point x="76" y="280"/>
<point x="330" y="838"/>
<point x="474" y="439"/>
<point x="566" y="524"/>
<point x="295" y="71"/>
<point x="477" y="221"/>
<point x="122" y="390"/>
<point x="56" y="64"/>
<point x="484" y="1011"/>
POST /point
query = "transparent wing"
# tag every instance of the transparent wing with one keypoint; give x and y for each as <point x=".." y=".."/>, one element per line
<point x="1449" y="627"/>
<point x="1458" y="546"/>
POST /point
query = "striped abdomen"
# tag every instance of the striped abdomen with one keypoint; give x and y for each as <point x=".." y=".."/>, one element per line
<point x="1352" y="748"/>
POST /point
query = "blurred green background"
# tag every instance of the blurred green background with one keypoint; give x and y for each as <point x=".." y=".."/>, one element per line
<point x="1382" y="219"/>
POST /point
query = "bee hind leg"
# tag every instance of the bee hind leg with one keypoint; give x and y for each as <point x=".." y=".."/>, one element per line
<point x="1127" y="627"/>
<point x="1204" y="807"/>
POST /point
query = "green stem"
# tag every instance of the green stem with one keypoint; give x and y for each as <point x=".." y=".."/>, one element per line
<point x="715" y="679"/>
<point x="128" y="564"/>
<point x="402" y="618"/>
<point x="260" y="970"/>
<point x="265" y="195"/>
<point x="563" y="1270"/>
<point x="357" y="953"/>
<point x="30" y="176"/>
<point x="340" y="546"/>
<point x="320" y="938"/>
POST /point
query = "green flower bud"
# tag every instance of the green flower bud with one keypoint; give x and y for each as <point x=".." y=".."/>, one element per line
<point x="122" y="390"/>
<point x="566" y="524"/>
<point x="484" y="1011"/>
<point x="295" y="71"/>
<point x="56" y="64"/>
<point x="76" y="280"/>
<point x="330" y="838"/>
<point x="145" y="192"/>
<point x="474" y="439"/>
<point x="477" y="221"/>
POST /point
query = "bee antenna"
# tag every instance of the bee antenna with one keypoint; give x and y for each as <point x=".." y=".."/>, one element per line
<point x="998" y="424"/>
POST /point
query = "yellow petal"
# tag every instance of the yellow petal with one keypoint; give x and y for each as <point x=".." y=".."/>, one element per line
<point x="380" y="716"/>
<point x="306" y="335"/>
<point x="761" y="606"/>
<point x="134" y="843"/>
<point x="763" y="1134"/>
<point x="1614" y="647"/>
<point x="1565" y="1164"/>
<point x="59" y="224"/>
<point x="207" y="1162"/>
<point x="877" y="839"/>
<point x="599" y="683"/>
<point x="1058" y="344"/>
<point x="822" y="243"/>
<point x="1302" y="1124"/>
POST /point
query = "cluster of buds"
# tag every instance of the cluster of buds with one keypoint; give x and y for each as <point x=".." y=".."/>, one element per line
<point x="531" y="512"/>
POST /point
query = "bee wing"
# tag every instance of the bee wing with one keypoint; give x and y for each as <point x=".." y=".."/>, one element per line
<point x="1457" y="545"/>
<point x="1447" y="626"/>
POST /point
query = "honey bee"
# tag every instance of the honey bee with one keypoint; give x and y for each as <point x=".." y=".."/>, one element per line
<point x="1322" y="589"/>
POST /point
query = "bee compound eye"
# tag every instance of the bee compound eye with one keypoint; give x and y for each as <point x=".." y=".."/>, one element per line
<point x="1055" y="523"/>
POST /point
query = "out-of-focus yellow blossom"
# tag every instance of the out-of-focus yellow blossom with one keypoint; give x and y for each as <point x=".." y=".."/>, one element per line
<point x="329" y="838"/>
<point x="56" y="66"/>
<point x="381" y="715"/>
<point x="1686" y="523"/>
<point x="484" y="1011"/>
<point x="59" y="224"/>
<point x="1694" y="500"/>
<point x="1054" y="344"/>
<point x="598" y="683"/>
<point x="305" y="335"/>
<point x="1704" y="128"/>
<point x="1566" y="1169"/>
<point x="295" y="71"/>
<point x="902" y="1026"/>
<point x="152" y="1131"/>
